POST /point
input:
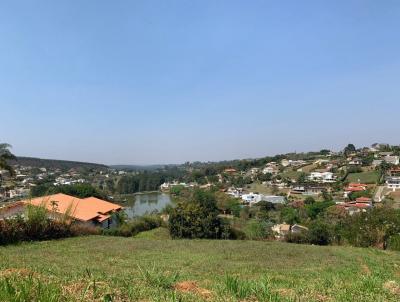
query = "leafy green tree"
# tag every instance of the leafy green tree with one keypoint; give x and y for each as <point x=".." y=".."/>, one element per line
<point x="77" y="190"/>
<point x="290" y="215"/>
<point x="350" y="148"/>
<point x="317" y="208"/>
<point x="372" y="228"/>
<point x="302" y="178"/>
<point x="197" y="218"/>
<point x="326" y="196"/>
<point x="320" y="233"/>
<point x="324" y="152"/>
<point x="309" y="200"/>
<point x="5" y="156"/>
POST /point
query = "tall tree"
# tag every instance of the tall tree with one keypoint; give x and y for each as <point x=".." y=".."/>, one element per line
<point x="350" y="148"/>
<point x="5" y="156"/>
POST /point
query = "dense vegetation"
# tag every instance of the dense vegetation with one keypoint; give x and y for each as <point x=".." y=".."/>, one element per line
<point x="197" y="218"/>
<point x="37" y="225"/>
<point x="78" y="190"/>
<point x="55" y="164"/>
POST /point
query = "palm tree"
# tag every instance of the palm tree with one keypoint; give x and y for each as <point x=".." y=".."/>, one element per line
<point x="6" y="155"/>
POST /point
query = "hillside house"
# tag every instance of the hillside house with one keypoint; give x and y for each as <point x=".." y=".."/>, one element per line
<point x="273" y="198"/>
<point x="354" y="187"/>
<point x="308" y="189"/>
<point x="355" y="162"/>
<point x="271" y="169"/>
<point x="251" y="198"/>
<point x="281" y="230"/>
<point x="394" y="160"/>
<point x="230" y="171"/>
<point x="91" y="210"/>
<point x="297" y="228"/>
<point x="393" y="182"/>
<point x="394" y="172"/>
<point x="322" y="177"/>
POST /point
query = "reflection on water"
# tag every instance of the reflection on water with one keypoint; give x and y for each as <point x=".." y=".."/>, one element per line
<point x="147" y="203"/>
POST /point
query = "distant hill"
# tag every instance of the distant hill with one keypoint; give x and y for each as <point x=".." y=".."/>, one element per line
<point x="140" y="167"/>
<point x="55" y="163"/>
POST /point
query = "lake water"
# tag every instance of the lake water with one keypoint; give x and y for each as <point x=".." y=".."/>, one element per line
<point x="146" y="203"/>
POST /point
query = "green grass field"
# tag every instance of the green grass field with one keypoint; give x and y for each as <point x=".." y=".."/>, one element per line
<point x="98" y="268"/>
<point x="369" y="177"/>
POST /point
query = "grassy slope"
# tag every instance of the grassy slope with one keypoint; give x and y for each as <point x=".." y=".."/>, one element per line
<point x="310" y="272"/>
<point x="369" y="177"/>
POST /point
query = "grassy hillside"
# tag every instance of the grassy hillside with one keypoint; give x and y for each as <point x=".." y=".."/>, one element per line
<point x="369" y="177"/>
<point x="100" y="268"/>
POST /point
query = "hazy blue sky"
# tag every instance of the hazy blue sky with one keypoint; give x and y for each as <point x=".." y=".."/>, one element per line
<point x="170" y="81"/>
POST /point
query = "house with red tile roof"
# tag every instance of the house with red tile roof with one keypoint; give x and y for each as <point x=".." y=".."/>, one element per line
<point x="91" y="210"/>
<point x="354" y="187"/>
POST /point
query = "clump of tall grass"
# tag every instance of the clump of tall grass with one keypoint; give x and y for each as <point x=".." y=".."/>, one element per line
<point x="249" y="289"/>
<point x="157" y="278"/>
<point x="17" y="289"/>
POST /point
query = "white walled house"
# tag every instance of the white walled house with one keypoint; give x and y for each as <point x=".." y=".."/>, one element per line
<point x="393" y="182"/>
<point x="251" y="198"/>
<point x="394" y="160"/>
<point x="270" y="169"/>
<point x="324" y="177"/>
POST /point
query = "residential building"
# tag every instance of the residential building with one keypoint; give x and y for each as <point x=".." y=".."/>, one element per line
<point x="270" y="169"/>
<point x="323" y="177"/>
<point x="91" y="210"/>
<point x="281" y="230"/>
<point x="273" y="198"/>
<point x="251" y="198"/>
<point x="230" y="171"/>
<point x="393" y="182"/>
<point x="377" y="162"/>
<point x="394" y="160"/>
<point x="297" y="228"/>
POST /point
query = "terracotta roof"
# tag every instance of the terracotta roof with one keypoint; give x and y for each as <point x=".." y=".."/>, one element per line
<point x="81" y="209"/>
<point x="352" y="184"/>
<point x="354" y="189"/>
<point x="363" y="199"/>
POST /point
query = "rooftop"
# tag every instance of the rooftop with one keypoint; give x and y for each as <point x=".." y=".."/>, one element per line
<point x="86" y="209"/>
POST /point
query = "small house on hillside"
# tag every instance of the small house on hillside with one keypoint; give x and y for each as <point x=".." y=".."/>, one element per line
<point x="297" y="228"/>
<point x="91" y="210"/>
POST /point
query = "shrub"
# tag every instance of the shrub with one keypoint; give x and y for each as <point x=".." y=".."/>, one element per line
<point x="373" y="228"/>
<point x="319" y="233"/>
<point x="299" y="238"/>
<point x="80" y="229"/>
<point x="38" y="226"/>
<point x="394" y="243"/>
<point x="132" y="228"/>
<point x="256" y="230"/>
<point x="197" y="218"/>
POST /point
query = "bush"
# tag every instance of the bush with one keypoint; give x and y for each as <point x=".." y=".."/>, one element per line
<point x="256" y="230"/>
<point x="197" y="218"/>
<point x="236" y="234"/>
<point x="299" y="238"/>
<point x="80" y="229"/>
<point x="132" y="228"/>
<point x="394" y="243"/>
<point x="376" y="227"/>
<point x="38" y="226"/>
<point x="319" y="233"/>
